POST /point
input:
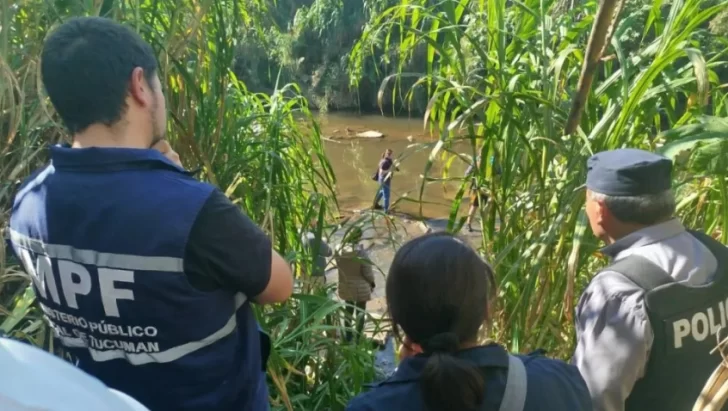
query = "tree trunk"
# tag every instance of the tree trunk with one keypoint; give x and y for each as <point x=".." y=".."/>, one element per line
<point x="604" y="23"/>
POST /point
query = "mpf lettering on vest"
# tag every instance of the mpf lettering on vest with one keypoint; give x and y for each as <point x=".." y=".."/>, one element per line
<point x="701" y="324"/>
<point x="100" y="327"/>
<point x="127" y="346"/>
<point x="76" y="280"/>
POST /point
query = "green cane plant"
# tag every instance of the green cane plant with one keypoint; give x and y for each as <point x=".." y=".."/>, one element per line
<point x="501" y="76"/>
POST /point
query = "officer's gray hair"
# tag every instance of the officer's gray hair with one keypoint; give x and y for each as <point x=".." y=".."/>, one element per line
<point x="645" y="209"/>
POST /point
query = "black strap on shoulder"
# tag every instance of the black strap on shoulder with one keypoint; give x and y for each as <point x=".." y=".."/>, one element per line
<point x="641" y="271"/>
<point x="718" y="249"/>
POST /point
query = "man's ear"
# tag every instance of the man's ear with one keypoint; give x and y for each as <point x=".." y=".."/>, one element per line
<point x="603" y="213"/>
<point x="139" y="89"/>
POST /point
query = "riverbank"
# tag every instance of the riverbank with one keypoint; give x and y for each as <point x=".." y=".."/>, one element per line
<point x="382" y="236"/>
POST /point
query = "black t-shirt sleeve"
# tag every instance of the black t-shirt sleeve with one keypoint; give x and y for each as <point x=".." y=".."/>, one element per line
<point x="385" y="164"/>
<point x="226" y="249"/>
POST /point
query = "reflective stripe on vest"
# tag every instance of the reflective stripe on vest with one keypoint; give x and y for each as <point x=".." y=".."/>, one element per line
<point x="91" y="257"/>
<point x="41" y="279"/>
<point x="169" y="355"/>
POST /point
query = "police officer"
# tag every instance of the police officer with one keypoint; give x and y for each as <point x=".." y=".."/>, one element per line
<point x="646" y="324"/>
<point x="145" y="274"/>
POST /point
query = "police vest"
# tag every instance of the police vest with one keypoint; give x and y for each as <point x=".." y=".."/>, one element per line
<point x="102" y="232"/>
<point x="685" y="321"/>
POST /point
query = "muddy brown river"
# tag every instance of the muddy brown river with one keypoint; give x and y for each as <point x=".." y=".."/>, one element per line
<point x="355" y="159"/>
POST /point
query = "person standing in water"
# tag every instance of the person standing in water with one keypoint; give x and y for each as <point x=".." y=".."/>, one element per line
<point x="384" y="178"/>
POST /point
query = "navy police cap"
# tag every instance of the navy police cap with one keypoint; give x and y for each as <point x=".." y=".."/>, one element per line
<point x="628" y="172"/>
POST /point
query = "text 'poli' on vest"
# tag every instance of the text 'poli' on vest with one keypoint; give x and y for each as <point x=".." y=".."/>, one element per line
<point x="698" y="327"/>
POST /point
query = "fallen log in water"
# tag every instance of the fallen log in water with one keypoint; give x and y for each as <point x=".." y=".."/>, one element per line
<point x="370" y="134"/>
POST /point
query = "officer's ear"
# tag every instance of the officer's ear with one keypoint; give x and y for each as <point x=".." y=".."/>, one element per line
<point x="604" y="215"/>
<point x="596" y="208"/>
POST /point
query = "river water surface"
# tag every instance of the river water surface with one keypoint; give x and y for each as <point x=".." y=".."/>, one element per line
<point x="354" y="160"/>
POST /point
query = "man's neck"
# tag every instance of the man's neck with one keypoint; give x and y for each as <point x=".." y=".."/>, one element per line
<point x="105" y="137"/>
<point x="628" y="228"/>
<point x="613" y="237"/>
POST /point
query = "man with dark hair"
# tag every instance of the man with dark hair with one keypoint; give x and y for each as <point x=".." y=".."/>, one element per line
<point x="145" y="274"/>
<point x="99" y="55"/>
<point x="646" y="324"/>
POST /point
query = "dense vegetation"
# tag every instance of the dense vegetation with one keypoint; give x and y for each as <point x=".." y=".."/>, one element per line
<point x="503" y="76"/>
<point x="499" y="74"/>
<point x="309" y="42"/>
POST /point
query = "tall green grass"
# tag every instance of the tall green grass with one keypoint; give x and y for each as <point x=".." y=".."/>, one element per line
<point x="502" y="75"/>
<point x="264" y="151"/>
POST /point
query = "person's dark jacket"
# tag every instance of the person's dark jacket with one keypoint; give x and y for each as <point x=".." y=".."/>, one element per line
<point x="553" y="385"/>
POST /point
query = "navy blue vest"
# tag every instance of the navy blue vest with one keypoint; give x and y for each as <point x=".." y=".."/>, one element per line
<point x="102" y="232"/>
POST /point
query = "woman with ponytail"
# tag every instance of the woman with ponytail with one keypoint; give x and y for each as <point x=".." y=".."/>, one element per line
<point x="439" y="295"/>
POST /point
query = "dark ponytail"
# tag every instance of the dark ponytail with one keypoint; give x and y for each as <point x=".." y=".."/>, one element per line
<point x="438" y="294"/>
<point x="447" y="382"/>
